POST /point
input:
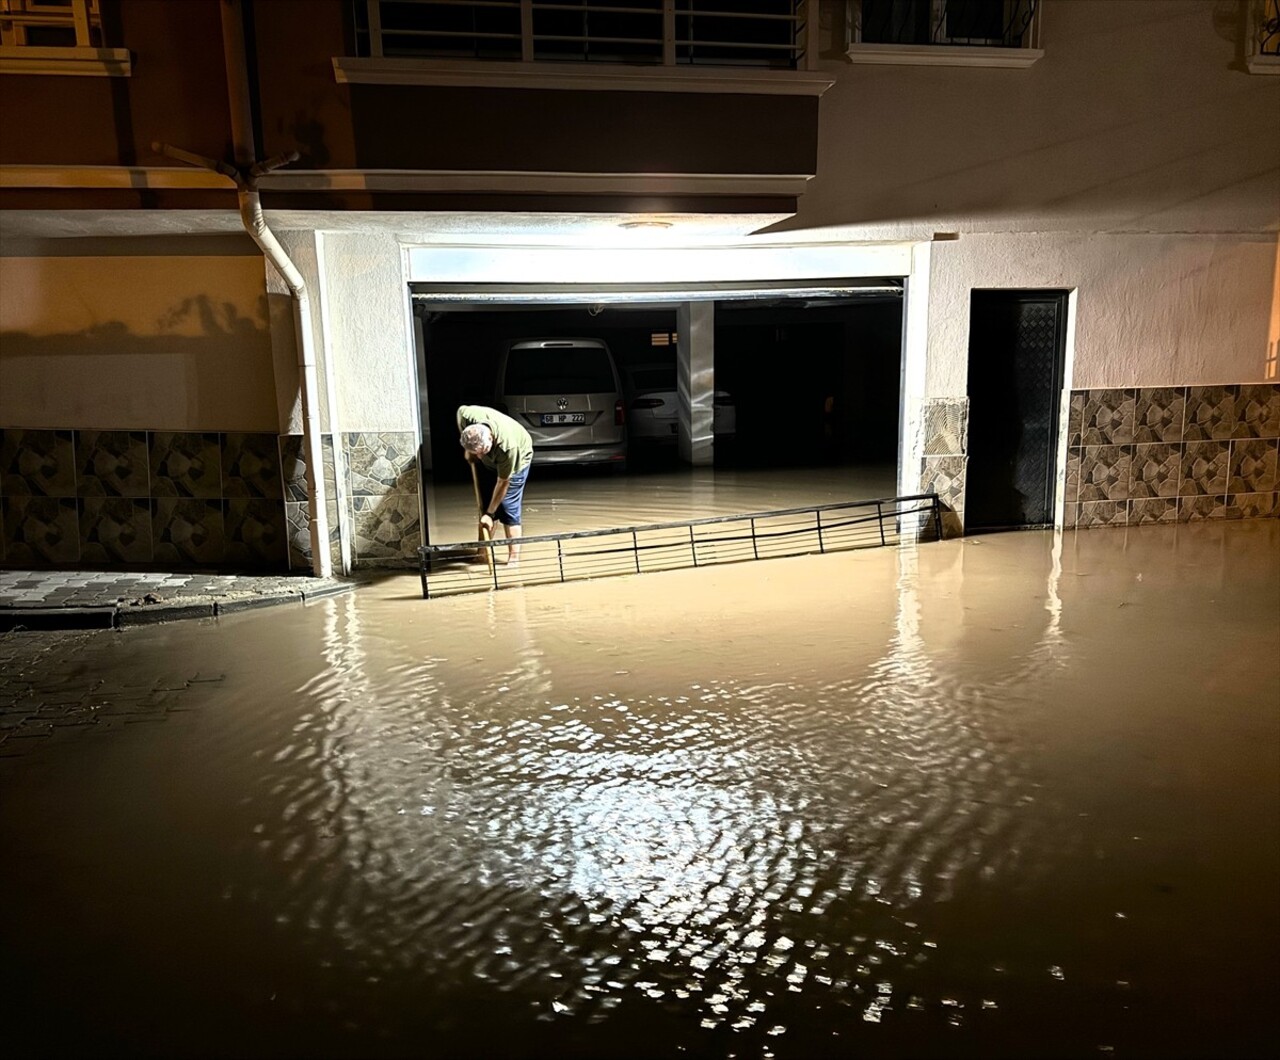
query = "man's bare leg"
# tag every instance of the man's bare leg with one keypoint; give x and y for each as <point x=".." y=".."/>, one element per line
<point x="513" y="544"/>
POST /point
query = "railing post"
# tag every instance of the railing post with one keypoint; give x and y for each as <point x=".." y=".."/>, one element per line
<point x="822" y="548"/>
<point x="526" y="31"/>
<point x="560" y="558"/>
<point x="374" y="7"/>
<point x="693" y="546"/>
<point x="668" y="32"/>
<point x="493" y="562"/>
<point x="635" y="549"/>
<point x="755" y="550"/>
<point x="422" y="571"/>
<point x="810" y="34"/>
<point x="80" y="12"/>
<point x="880" y="521"/>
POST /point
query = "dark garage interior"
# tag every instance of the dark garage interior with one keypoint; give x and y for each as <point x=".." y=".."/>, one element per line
<point x="814" y="381"/>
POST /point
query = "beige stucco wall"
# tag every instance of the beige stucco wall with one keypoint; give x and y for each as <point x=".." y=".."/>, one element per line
<point x="1140" y="117"/>
<point x="135" y="342"/>
<point x="368" y="338"/>
<point x="1136" y="163"/>
<point x="1151" y="309"/>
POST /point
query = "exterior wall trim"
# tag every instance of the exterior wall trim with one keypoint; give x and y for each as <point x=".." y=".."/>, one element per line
<point x="515" y="181"/>
<point x="455" y="73"/>
<point x="788" y="185"/>
<point x="942" y="55"/>
<point x="76" y="62"/>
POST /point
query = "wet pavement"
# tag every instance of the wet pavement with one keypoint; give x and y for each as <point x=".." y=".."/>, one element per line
<point x="53" y="599"/>
<point x="1004" y="796"/>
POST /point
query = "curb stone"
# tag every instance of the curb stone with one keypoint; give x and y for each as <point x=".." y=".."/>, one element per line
<point x="141" y="616"/>
<point x="52" y="616"/>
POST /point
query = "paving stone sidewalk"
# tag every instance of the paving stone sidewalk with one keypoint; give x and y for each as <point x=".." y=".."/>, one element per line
<point x="44" y="600"/>
<point x="53" y="689"/>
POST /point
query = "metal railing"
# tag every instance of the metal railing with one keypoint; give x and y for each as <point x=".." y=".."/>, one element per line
<point x="762" y="33"/>
<point x="39" y="23"/>
<point x="1264" y="17"/>
<point x="951" y="23"/>
<point x="449" y="570"/>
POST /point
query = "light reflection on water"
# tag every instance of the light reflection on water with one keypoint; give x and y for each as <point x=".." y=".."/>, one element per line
<point x="841" y="803"/>
<point x="710" y="846"/>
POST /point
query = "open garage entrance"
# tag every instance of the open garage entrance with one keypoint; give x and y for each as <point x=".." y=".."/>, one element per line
<point x="807" y="393"/>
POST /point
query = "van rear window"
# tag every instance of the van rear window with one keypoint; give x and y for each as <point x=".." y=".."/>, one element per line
<point x="559" y="371"/>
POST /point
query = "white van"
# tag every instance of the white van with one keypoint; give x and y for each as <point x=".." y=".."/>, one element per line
<point x="568" y="395"/>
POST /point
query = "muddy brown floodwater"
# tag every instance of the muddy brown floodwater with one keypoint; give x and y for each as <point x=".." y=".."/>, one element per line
<point x="1014" y="795"/>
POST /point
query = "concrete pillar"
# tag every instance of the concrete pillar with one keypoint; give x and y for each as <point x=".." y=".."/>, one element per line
<point x="696" y="380"/>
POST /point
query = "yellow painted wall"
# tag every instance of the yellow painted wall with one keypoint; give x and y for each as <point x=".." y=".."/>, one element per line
<point x="126" y="342"/>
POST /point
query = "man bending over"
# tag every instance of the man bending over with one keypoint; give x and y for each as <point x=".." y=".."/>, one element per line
<point x="504" y="452"/>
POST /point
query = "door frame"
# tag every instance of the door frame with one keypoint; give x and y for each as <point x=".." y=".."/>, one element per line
<point x="1059" y="389"/>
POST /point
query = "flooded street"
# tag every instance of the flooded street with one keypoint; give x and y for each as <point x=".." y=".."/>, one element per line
<point x="1011" y="795"/>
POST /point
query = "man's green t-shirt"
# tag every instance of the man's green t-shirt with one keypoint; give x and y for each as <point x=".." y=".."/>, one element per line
<point x="512" y="447"/>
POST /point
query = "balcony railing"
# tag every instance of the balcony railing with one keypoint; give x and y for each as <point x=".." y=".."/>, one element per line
<point x="57" y="37"/>
<point x="1267" y="27"/>
<point x="50" y="23"/>
<point x="771" y="34"/>
<point x="1261" y="27"/>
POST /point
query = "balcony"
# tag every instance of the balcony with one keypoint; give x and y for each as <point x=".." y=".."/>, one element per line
<point x="722" y="46"/>
<point x="57" y="37"/>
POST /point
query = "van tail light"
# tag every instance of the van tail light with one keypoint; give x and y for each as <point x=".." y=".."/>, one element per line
<point x="646" y="403"/>
<point x="619" y="414"/>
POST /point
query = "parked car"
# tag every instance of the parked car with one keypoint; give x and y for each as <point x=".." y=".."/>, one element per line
<point x="653" y="407"/>
<point x="568" y="394"/>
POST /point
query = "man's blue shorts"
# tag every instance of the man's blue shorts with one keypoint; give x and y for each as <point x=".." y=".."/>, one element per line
<point x="509" y="511"/>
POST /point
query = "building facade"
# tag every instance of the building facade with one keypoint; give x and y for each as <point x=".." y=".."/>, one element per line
<point x="216" y="219"/>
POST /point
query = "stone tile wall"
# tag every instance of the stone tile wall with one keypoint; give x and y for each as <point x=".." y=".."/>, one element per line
<point x="1172" y="454"/>
<point x="293" y="468"/>
<point x="91" y="498"/>
<point x="942" y="467"/>
<point x="381" y="495"/>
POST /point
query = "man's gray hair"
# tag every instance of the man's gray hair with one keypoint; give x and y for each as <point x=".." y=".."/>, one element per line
<point x="477" y="438"/>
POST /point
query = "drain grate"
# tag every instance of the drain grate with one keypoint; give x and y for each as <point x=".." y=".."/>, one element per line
<point x="579" y="555"/>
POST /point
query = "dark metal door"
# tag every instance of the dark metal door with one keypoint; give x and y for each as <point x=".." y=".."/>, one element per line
<point x="1016" y="354"/>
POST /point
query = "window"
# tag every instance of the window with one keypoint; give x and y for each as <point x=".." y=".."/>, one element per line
<point x="57" y="37"/>
<point x="578" y="370"/>
<point x="1262" y="28"/>
<point x="945" y="32"/>
<point x="990" y="23"/>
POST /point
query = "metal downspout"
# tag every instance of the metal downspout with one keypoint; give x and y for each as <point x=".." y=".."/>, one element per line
<point x="256" y="225"/>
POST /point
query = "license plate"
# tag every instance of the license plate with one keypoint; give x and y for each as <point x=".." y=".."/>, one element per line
<point x="563" y="417"/>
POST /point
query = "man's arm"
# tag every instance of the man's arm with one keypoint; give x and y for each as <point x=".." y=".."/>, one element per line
<point x="499" y="491"/>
